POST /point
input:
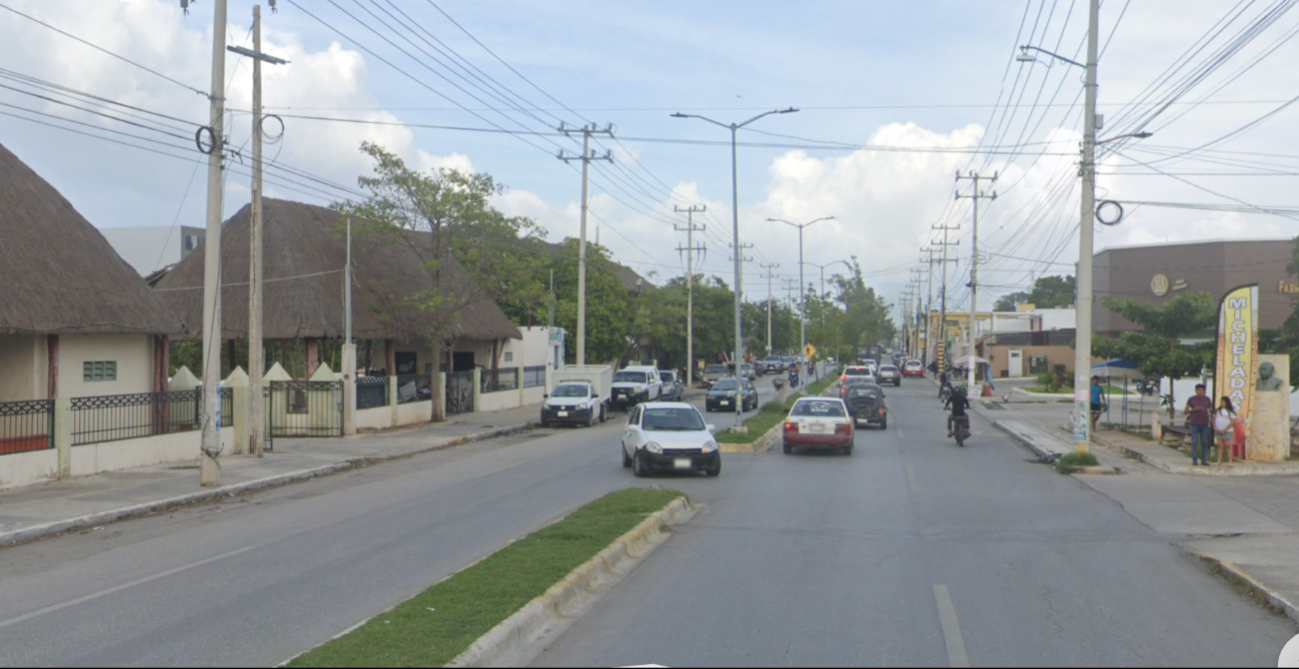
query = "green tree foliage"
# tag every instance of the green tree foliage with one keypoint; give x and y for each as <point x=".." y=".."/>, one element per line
<point x="1157" y="348"/>
<point x="1049" y="292"/>
<point x="609" y="308"/>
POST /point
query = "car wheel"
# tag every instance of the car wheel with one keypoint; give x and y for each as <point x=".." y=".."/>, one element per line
<point x="603" y="417"/>
<point x="638" y="466"/>
<point x="788" y="449"/>
<point x="716" y="469"/>
<point x="884" y="425"/>
<point x="626" y="461"/>
<point x="590" y="419"/>
<point x="847" y="450"/>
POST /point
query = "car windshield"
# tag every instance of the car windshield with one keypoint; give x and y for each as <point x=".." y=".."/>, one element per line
<point x="868" y="392"/>
<point x="570" y="390"/>
<point x="665" y="377"/>
<point x="673" y="419"/>
<point x="818" y="409"/>
<point x="629" y="377"/>
<point x="888" y="368"/>
<point x="857" y="371"/>
<point x="714" y="369"/>
<point x="724" y="384"/>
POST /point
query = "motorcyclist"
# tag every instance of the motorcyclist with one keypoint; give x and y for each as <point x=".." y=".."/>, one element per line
<point x="944" y="383"/>
<point x="957" y="402"/>
<point x="793" y="377"/>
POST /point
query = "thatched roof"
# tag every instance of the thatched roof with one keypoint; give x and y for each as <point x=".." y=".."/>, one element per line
<point x="57" y="272"/>
<point x="304" y="254"/>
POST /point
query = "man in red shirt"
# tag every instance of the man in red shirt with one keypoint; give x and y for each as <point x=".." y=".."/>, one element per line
<point x="1198" y="408"/>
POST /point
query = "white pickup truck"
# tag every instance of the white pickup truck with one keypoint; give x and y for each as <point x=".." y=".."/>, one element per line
<point x="573" y="402"/>
<point x="635" y="384"/>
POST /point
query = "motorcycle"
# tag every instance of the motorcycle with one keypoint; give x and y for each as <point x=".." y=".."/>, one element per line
<point x="961" y="430"/>
<point x="793" y="379"/>
<point x="1148" y="387"/>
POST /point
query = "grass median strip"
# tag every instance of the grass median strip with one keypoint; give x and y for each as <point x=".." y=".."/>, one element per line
<point x="772" y="414"/>
<point x="433" y="627"/>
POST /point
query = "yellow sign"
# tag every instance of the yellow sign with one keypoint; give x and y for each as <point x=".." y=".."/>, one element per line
<point x="1237" y="363"/>
<point x="810" y="351"/>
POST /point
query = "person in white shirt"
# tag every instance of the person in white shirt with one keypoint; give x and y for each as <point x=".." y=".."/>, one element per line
<point x="1222" y="430"/>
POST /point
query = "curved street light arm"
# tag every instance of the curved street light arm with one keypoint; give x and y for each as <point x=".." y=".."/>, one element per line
<point x="1024" y="50"/>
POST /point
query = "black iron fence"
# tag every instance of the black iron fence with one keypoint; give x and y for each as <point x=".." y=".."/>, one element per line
<point x="460" y="392"/>
<point x="414" y="388"/>
<point x="304" y="409"/>
<point x="534" y="376"/>
<point x="26" y="426"/>
<point x="106" y="418"/>
<point x="371" y="392"/>
<point x="500" y="379"/>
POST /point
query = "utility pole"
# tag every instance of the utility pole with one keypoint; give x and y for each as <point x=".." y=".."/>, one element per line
<point x="1083" y="351"/>
<point x="690" y="249"/>
<point x="586" y="158"/>
<point x="942" y="316"/>
<point x="929" y="302"/>
<point x="975" y="195"/>
<point x="802" y="290"/>
<point x="256" y="357"/>
<point x="770" y="267"/>
<point x="209" y="470"/>
<point x="738" y="257"/>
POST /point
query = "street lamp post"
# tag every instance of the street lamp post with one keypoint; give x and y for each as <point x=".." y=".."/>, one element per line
<point x="802" y="287"/>
<point x="735" y="232"/>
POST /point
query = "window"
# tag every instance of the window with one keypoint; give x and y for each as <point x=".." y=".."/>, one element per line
<point x="509" y="356"/>
<point x="99" y="370"/>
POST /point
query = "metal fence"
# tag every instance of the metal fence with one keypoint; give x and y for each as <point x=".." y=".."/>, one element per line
<point x="500" y="379"/>
<point x="105" y="418"/>
<point x="371" y="392"/>
<point x="460" y="392"/>
<point x="26" y="426"/>
<point x="534" y="376"/>
<point x="304" y="409"/>
<point x="414" y="388"/>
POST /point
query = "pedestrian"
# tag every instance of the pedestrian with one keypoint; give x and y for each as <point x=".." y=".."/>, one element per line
<point x="1222" y="430"/>
<point x="1197" y="410"/>
<point x="1097" y="400"/>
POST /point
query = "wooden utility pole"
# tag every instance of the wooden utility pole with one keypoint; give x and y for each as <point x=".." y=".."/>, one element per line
<point x="690" y="249"/>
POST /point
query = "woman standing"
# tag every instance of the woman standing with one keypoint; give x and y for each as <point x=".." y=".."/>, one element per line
<point x="1223" y="421"/>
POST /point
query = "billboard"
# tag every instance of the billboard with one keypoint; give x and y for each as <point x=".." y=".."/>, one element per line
<point x="1236" y="367"/>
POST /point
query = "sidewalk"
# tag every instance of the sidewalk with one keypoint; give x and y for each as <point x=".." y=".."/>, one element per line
<point x="40" y="510"/>
<point x="1242" y="522"/>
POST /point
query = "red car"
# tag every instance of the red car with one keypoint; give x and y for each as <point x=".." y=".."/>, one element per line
<point x="913" y="368"/>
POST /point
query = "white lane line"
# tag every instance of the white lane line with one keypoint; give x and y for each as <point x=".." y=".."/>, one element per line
<point x="911" y="478"/>
<point x="119" y="588"/>
<point x="951" y="628"/>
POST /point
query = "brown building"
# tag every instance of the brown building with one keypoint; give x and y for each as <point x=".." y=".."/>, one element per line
<point x="1158" y="273"/>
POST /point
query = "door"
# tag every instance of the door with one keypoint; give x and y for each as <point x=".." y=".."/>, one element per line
<point x="631" y="433"/>
<point x="1016" y="364"/>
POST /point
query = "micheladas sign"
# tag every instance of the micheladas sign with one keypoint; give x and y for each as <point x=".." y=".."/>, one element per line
<point x="1237" y="354"/>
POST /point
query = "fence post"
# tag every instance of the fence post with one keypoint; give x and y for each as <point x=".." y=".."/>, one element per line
<point x="478" y="389"/>
<point x="392" y="398"/>
<point x="442" y="381"/>
<point x="349" y="389"/>
<point x="63" y="435"/>
<point x="238" y="382"/>
<point x="519" y="378"/>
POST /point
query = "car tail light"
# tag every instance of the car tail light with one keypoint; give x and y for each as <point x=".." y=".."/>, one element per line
<point x="843" y="428"/>
<point x="791" y="426"/>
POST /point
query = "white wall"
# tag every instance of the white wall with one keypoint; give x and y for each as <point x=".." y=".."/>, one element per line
<point x="24" y="366"/>
<point x="376" y="418"/>
<point x="132" y="353"/>
<point x="413" y="413"/>
<point x="1058" y="319"/>
<point x="19" y="469"/>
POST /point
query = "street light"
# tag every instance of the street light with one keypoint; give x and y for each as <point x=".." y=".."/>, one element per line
<point x="735" y="232"/>
<point x="802" y="288"/>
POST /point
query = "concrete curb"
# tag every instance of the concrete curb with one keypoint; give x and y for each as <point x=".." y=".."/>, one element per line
<point x="1045" y="452"/>
<point x="34" y="532"/>
<point x="518" y="639"/>
<point x="1188" y="470"/>
<point x="1237" y="576"/>
<point x="760" y="445"/>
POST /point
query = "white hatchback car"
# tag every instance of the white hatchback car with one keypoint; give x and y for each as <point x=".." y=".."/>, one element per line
<point x="669" y="436"/>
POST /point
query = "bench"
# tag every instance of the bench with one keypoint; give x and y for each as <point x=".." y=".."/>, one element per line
<point x="1183" y="433"/>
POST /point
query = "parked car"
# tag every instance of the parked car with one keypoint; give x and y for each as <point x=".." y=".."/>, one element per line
<point x="913" y="368"/>
<point x="671" y="436"/>
<point x="674" y="389"/>
<point x="866" y="405"/>
<point x="712" y="374"/>
<point x="574" y="403"/>
<point x="635" y="384"/>
<point x="724" y="395"/>
<point x="889" y="374"/>
<point x="818" y="422"/>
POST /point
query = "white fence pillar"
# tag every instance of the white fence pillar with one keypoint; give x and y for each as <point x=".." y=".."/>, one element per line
<point x="392" y="398"/>
<point x="478" y="389"/>
<point x="63" y="435"/>
<point x="239" y="382"/>
<point x="349" y="389"/>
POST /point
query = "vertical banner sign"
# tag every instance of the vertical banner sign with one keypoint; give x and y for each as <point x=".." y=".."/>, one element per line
<point x="1237" y="355"/>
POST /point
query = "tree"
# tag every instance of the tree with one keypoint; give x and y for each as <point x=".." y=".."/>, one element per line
<point x="609" y="310"/>
<point x="1157" y="348"/>
<point x="1049" y="292"/>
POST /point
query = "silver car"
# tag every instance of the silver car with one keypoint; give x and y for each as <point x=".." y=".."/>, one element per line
<point x="673" y="387"/>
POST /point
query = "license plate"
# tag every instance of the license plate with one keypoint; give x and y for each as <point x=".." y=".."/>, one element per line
<point x="563" y="414"/>
<point x="725" y="402"/>
<point x="819" y="428"/>
<point x="681" y="463"/>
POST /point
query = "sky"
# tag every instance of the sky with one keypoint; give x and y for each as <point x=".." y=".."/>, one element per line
<point x="893" y="98"/>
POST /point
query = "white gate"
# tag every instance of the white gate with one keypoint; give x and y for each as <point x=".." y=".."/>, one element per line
<point x="1016" y="364"/>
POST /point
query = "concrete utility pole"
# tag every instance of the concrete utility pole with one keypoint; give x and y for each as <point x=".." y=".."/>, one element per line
<point x="802" y="289"/>
<point x="975" y="195"/>
<point x="690" y="249"/>
<point x="770" y="275"/>
<point x="942" y="316"/>
<point x="586" y="158"/>
<point x="209" y="469"/>
<point x="1083" y="353"/>
<point x="929" y="302"/>
<point x="256" y="357"/>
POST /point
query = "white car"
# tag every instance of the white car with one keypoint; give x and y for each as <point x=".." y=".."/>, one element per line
<point x="819" y="423"/>
<point x="574" y="402"/>
<point x="669" y="436"/>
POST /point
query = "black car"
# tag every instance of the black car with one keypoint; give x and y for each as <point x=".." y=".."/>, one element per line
<point x="722" y="396"/>
<point x="866" y="404"/>
<point x="854" y="382"/>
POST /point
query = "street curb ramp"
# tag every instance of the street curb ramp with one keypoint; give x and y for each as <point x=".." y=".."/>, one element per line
<point x="34" y="532"/>
<point x="518" y="639"/>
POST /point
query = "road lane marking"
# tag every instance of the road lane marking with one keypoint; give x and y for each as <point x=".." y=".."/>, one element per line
<point x="119" y="588"/>
<point x="951" y="628"/>
<point x="911" y="478"/>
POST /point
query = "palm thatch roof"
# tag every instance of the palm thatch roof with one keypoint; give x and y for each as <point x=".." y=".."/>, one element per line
<point x="304" y="253"/>
<point x="58" y="273"/>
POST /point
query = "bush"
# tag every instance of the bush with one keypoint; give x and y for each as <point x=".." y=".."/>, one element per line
<point x="1073" y="462"/>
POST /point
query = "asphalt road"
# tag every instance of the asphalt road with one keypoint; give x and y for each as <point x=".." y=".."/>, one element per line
<point x="799" y="560"/>
<point x="915" y="552"/>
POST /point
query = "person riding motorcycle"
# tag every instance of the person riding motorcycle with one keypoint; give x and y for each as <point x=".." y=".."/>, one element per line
<point x="958" y="403"/>
<point x="944" y="384"/>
